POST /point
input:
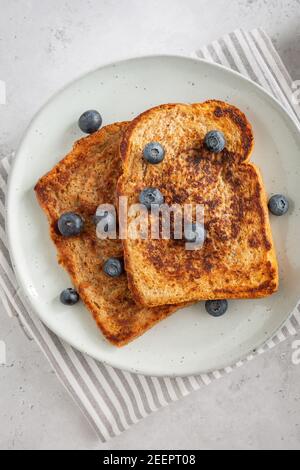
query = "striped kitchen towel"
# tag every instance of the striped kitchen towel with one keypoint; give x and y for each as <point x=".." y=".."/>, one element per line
<point x="111" y="399"/>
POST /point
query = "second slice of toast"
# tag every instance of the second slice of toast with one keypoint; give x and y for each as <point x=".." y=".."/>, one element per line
<point x="238" y="258"/>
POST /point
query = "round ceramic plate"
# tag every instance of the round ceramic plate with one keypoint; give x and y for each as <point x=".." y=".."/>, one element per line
<point x="190" y="341"/>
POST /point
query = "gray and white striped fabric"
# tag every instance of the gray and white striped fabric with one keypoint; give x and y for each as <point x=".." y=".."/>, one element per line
<point x="112" y="400"/>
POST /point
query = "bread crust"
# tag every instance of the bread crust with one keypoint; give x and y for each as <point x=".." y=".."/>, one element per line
<point x="238" y="259"/>
<point x="85" y="178"/>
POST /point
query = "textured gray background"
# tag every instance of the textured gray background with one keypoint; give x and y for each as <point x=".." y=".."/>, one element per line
<point x="43" y="45"/>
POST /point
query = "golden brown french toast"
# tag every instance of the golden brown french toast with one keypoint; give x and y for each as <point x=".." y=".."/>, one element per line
<point x="238" y="258"/>
<point x="86" y="178"/>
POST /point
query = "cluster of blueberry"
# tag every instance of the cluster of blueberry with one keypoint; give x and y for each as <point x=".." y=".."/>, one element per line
<point x="71" y="224"/>
<point x="154" y="153"/>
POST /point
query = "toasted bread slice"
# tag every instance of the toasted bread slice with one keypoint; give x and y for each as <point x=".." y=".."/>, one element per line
<point x="86" y="178"/>
<point x="238" y="258"/>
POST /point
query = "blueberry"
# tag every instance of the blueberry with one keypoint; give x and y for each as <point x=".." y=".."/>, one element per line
<point x="107" y="219"/>
<point x="113" y="267"/>
<point x="154" y="153"/>
<point x="151" y="196"/>
<point x="90" y="121"/>
<point x="69" y="297"/>
<point x="279" y="205"/>
<point x="194" y="233"/>
<point x="216" y="308"/>
<point x="70" y="224"/>
<point x="215" y="141"/>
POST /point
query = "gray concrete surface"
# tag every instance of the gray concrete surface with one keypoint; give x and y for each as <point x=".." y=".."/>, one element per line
<point x="46" y="44"/>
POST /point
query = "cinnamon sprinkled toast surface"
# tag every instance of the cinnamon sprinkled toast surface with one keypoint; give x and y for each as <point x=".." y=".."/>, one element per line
<point x="85" y="178"/>
<point x="238" y="259"/>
